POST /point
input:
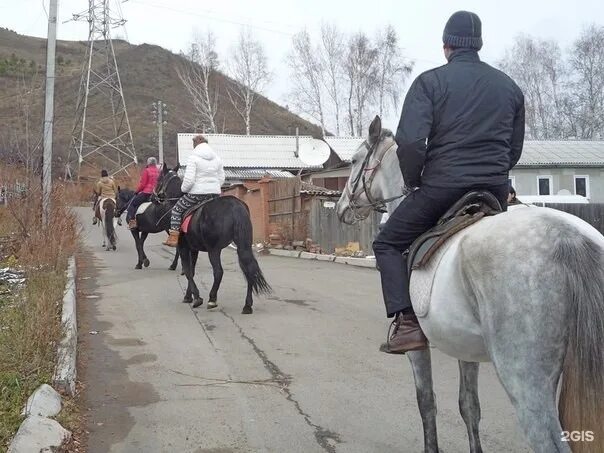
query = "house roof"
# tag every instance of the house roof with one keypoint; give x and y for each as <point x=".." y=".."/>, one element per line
<point x="344" y="147"/>
<point x="250" y="151"/>
<point x="562" y="153"/>
<point x="255" y="173"/>
<point x="536" y="153"/>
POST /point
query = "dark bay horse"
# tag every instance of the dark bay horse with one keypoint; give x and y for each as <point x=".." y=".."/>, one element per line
<point x="212" y="228"/>
<point x="155" y="219"/>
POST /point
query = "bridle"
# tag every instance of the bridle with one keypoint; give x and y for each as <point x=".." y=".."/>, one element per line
<point x="160" y="192"/>
<point x="365" y="177"/>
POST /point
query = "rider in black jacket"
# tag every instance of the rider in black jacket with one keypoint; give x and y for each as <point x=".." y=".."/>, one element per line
<point x="462" y="128"/>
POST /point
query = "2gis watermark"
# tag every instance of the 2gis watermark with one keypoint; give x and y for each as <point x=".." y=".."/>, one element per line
<point x="577" y="436"/>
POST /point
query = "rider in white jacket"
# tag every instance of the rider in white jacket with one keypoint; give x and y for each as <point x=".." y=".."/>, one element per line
<point x="203" y="180"/>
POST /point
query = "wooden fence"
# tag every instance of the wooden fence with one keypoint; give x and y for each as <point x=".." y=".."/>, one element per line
<point x="327" y="230"/>
<point x="286" y="213"/>
<point x="592" y="213"/>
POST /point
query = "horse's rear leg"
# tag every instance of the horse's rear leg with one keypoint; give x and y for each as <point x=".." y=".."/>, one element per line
<point x="214" y="256"/>
<point x="469" y="405"/>
<point x="197" y="299"/>
<point x="530" y="375"/>
<point x="422" y="372"/>
<point x="185" y="256"/>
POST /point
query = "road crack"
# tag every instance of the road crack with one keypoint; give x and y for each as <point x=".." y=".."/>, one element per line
<point x="324" y="437"/>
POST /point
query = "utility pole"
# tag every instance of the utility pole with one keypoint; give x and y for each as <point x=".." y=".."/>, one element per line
<point x="49" y="109"/>
<point x="159" y="113"/>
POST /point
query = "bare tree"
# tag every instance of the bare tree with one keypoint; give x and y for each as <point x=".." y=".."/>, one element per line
<point x="248" y="68"/>
<point x="307" y="78"/>
<point x="537" y="66"/>
<point x="361" y="71"/>
<point x="392" y="70"/>
<point x="196" y="73"/>
<point x="587" y="62"/>
<point x="331" y="52"/>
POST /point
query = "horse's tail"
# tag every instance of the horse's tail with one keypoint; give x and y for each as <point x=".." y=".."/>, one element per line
<point x="247" y="261"/>
<point x="109" y="216"/>
<point x="581" y="405"/>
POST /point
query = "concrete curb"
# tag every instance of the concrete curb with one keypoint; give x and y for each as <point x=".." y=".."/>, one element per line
<point x="64" y="379"/>
<point x="358" y="262"/>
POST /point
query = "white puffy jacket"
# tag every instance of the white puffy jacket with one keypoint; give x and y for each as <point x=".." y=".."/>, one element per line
<point x="204" y="173"/>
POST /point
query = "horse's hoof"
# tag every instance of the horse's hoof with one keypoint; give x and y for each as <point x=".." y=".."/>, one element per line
<point x="198" y="302"/>
<point x="182" y="272"/>
<point x="146" y="262"/>
<point x="247" y="310"/>
<point x="172" y="268"/>
<point x="138" y="266"/>
<point x="114" y="248"/>
<point x="187" y="300"/>
<point x="212" y="304"/>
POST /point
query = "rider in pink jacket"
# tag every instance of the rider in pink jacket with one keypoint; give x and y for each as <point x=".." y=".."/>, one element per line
<point x="144" y="190"/>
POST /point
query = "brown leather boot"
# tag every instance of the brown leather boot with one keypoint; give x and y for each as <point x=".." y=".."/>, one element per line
<point x="172" y="240"/>
<point x="406" y="336"/>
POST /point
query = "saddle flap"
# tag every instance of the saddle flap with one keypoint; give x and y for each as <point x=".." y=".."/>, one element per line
<point x="185" y="223"/>
<point x="468" y="210"/>
<point x="143" y="207"/>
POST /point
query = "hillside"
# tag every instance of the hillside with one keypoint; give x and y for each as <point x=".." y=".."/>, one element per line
<point x="147" y="72"/>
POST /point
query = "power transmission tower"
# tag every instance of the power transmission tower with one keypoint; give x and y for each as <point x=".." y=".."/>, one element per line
<point x="101" y="136"/>
<point x="160" y="113"/>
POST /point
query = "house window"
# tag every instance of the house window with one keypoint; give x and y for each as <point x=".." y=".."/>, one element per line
<point x="545" y="185"/>
<point x="582" y="185"/>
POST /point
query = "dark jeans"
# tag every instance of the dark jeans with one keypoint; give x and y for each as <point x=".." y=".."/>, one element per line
<point x="416" y="214"/>
<point x="138" y="199"/>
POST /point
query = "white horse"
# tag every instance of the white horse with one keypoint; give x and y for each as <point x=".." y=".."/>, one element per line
<point x="105" y="212"/>
<point x="523" y="289"/>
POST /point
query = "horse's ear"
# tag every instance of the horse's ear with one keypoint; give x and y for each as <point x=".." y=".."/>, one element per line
<point x="164" y="168"/>
<point x="118" y="188"/>
<point x="177" y="167"/>
<point x="375" y="128"/>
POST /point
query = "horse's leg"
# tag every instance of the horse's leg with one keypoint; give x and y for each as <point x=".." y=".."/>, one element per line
<point x="175" y="261"/>
<point x="214" y="256"/>
<point x="469" y="405"/>
<point x="143" y="239"/>
<point x="532" y="386"/>
<point x="185" y="256"/>
<point x="426" y="401"/>
<point x="136" y="236"/>
<point x="197" y="299"/>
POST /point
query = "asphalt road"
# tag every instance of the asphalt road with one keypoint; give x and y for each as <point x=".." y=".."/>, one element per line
<point x="302" y="374"/>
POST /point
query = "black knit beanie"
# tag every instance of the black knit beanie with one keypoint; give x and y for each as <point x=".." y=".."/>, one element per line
<point x="104" y="173"/>
<point x="463" y="30"/>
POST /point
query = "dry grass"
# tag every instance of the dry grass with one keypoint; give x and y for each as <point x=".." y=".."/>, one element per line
<point x="30" y="321"/>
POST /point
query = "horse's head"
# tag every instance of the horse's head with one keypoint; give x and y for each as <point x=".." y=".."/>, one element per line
<point x="123" y="199"/>
<point x="375" y="176"/>
<point x="168" y="184"/>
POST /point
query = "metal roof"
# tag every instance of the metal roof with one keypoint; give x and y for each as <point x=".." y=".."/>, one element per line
<point x="562" y="153"/>
<point x="249" y="151"/>
<point x="344" y="147"/>
<point x="536" y="153"/>
<point x="236" y="173"/>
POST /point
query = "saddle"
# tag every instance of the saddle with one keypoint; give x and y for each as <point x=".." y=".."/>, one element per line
<point x="468" y="210"/>
<point x="188" y="214"/>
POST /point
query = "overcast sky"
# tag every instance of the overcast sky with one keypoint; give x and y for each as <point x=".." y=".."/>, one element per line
<point x="171" y="23"/>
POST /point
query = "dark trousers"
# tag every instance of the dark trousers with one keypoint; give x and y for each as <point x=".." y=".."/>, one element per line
<point x="417" y="213"/>
<point x="138" y="199"/>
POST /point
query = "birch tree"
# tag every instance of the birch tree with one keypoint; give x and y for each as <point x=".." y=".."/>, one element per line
<point x="196" y="76"/>
<point x="392" y="70"/>
<point x="361" y="71"/>
<point x="331" y="52"/>
<point x="307" y="78"/>
<point x="587" y="61"/>
<point x="248" y="67"/>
